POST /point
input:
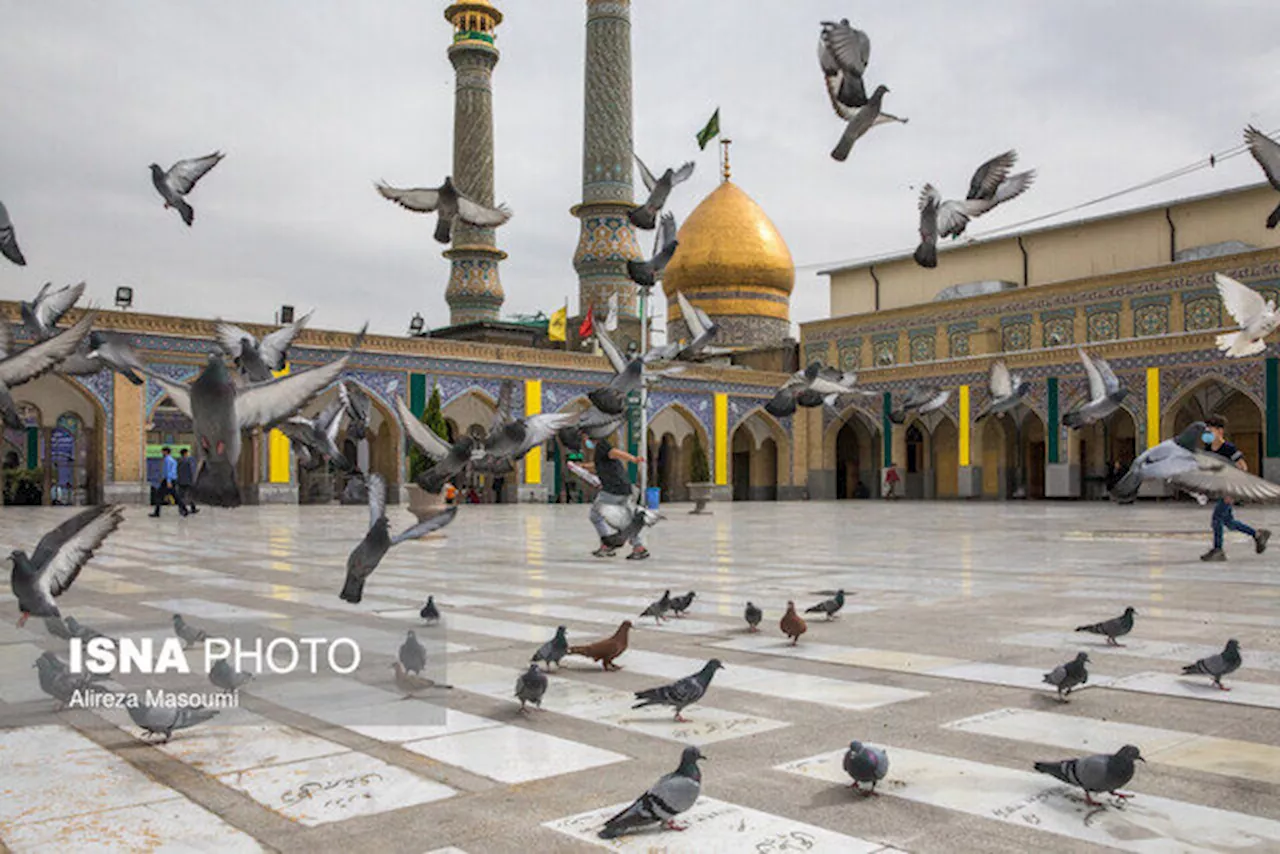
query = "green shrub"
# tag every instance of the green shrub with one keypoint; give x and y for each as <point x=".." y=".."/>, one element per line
<point x="699" y="469"/>
<point x="433" y="417"/>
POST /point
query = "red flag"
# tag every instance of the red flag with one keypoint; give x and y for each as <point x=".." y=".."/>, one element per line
<point x="585" y="330"/>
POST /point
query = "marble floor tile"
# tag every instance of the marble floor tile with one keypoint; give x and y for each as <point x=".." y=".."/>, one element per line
<point x="172" y="825"/>
<point x="205" y="609"/>
<point x="1201" y="688"/>
<point x="511" y="754"/>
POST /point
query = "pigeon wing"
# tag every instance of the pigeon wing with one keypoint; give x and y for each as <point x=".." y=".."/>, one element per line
<point x="645" y="175"/>
<point x="690" y="316"/>
<point x="1001" y="383"/>
<point x="263" y="403"/>
<point x="183" y="175"/>
<point x="416" y="199"/>
<point x="583" y="474"/>
<point x="1097" y="390"/>
<point x="1110" y="382"/>
<point x="1264" y="149"/>
<point x="481" y="216"/>
<point x="9" y="239"/>
<point x="274" y="346"/>
<point x="1243" y="302"/>
<point x="988" y="177"/>
<point x="611" y="352"/>
<point x="849" y="47"/>
<point x="954" y="215"/>
<point x="426" y="526"/>
<point x="420" y="434"/>
<point x="542" y="428"/>
<point x="64" y="551"/>
<point x="44" y="356"/>
<point x="377" y="489"/>
<point x="7" y="347"/>
<point x="1216" y="475"/>
<point x="1013" y="186"/>
<point x="684" y="173"/>
<point x="231" y="337"/>
<point x="53" y="304"/>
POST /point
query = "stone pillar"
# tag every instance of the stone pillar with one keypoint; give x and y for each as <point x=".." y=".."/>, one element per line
<point x="474" y="291"/>
<point x="129" y="482"/>
<point x="608" y="240"/>
<point x="969" y="478"/>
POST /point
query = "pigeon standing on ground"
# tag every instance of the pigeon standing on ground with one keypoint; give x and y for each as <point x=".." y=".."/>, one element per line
<point x="646" y="215"/>
<point x="180" y="180"/>
<point x="1105" y="393"/>
<point x="1102" y="773"/>
<point x="413" y="655"/>
<point x="57" y="628"/>
<point x="1067" y="676"/>
<point x="647" y="273"/>
<point x="229" y="680"/>
<point x="861" y="120"/>
<point x="673" y="794"/>
<point x="1256" y="317"/>
<point x="681" y="693"/>
<point x="411" y="683"/>
<point x="990" y="186"/>
<point x="530" y="686"/>
<point x="605" y="651"/>
<point x="449" y="205"/>
<point x="865" y="765"/>
<point x="58" y="682"/>
<point x="1218" y="665"/>
<point x="429" y="611"/>
<point x="658" y="609"/>
<point x="680" y="604"/>
<point x="258" y="359"/>
<point x="553" y="650"/>
<point x="42" y="314"/>
<point x="49" y="571"/>
<point x="102" y="351"/>
<point x="830" y="607"/>
<point x="792" y="624"/>
<point x="79" y="630"/>
<point x="219" y="412"/>
<point x="753" y="616"/>
<point x="9" y="239"/>
<point x="165" y="720"/>
<point x="1116" y="627"/>
<point x="921" y="400"/>
<point x="1007" y="391"/>
<point x="187" y="633"/>
<point x="1266" y="151"/>
<point x="366" y="556"/>
<point x="20" y="366"/>
<point x="1180" y="461"/>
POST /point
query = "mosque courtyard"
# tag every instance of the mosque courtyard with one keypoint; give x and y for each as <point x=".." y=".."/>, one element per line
<point x="955" y="610"/>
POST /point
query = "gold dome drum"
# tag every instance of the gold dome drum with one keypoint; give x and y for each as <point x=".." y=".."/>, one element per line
<point x="734" y="265"/>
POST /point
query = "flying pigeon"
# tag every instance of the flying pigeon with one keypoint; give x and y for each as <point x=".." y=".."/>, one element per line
<point x="830" y="607"/>
<point x="859" y="121"/>
<point x="180" y="180"/>
<point x="187" y="633"/>
<point x="530" y="686"/>
<point x="9" y="239"/>
<point x="522" y="434"/>
<point x="165" y="720"/>
<point x="20" y="366"/>
<point x="1264" y="149"/>
<point x="681" y="693"/>
<point x="990" y="186"/>
<point x="1256" y="317"/>
<point x="753" y="616"/>
<point x="640" y="519"/>
<point x="1218" y="665"/>
<point x="449" y="205"/>
<point x="673" y="794"/>
<point x="1007" y="391"/>
<point x="553" y="650"/>
<point x="1105" y="393"/>
<point x="315" y="440"/>
<point x="919" y="399"/>
<point x="1102" y="773"/>
<point x="658" y="609"/>
<point x="449" y="460"/>
<point x="257" y="359"/>
<point x="592" y="422"/>
<point x="702" y="329"/>
<point x="104" y="351"/>
<point x="628" y="376"/>
<point x="646" y="215"/>
<point x="50" y="570"/>
<point x="42" y="314"/>
<point x="680" y="604"/>
<point x="1067" y="676"/>
<point x="59" y="682"/>
<point x="429" y="611"/>
<point x="1116" y="627"/>
<point x="1179" y="462"/>
<point x="358" y="408"/>
<point x="219" y="411"/>
<point x="843" y="54"/>
<point x="646" y="273"/>
<point x="229" y="680"/>
<point x="865" y="765"/>
<point x="413" y="655"/>
<point x="812" y="387"/>
<point x="792" y="624"/>
<point x="411" y="683"/>
<point x="366" y="556"/>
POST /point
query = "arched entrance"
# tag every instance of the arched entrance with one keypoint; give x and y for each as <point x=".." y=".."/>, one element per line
<point x="857" y="457"/>
<point x="1212" y="396"/>
<point x="472" y="413"/>
<point x="377" y="452"/>
<point x="761" y="454"/>
<point x="1104" y="446"/>
<point x="58" y="456"/>
<point x="915" y="467"/>
<point x="946" y="459"/>
<point x="674" y="435"/>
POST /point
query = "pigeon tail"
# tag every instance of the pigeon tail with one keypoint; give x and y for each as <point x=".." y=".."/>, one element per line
<point x="444" y="228"/>
<point x="898" y="416"/>
<point x="188" y="215"/>
<point x="1126" y="489"/>
<point x="1074" y="420"/>
<point x="132" y="377"/>
<point x="926" y="255"/>
<point x="352" y="590"/>
<point x="841" y="152"/>
<point x="216" y="484"/>
<point x="644" y="217"/>
<point x="1274" y="219"/>
<point x="1235" y="345"/>
<point x="1056" y="769"/>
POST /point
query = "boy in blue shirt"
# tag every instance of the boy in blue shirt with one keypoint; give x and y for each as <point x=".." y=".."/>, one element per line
<point x="1223" y="517"/>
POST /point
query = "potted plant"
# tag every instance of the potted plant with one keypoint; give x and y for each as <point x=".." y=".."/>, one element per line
<point x="421" y="502"/>
<point x="700" y="486"/>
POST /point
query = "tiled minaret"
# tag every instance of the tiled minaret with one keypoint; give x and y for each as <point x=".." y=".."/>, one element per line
<point x="607" y="240"/>
<point x="475" y="291"/>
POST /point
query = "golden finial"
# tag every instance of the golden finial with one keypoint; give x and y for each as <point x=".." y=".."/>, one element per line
<point x="724" y="144"/>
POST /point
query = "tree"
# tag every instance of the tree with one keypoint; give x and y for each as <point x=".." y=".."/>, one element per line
<point x="433" y="417"/>
<point x="699" y="470"/>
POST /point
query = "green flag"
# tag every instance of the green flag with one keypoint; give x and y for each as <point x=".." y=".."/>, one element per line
<point x="711" y="131"/>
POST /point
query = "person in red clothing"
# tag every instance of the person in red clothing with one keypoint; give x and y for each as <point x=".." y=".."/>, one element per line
<point x="891" y="480"/>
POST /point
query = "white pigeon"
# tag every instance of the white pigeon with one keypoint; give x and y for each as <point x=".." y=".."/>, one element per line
<point x="1007" y="391"/>
<point x="611" y="319"/>
<point x="1180" y="462"/>
<point x="1257" y="318"/>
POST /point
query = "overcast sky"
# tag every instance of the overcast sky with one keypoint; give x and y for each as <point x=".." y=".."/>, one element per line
<point x="314" y="101"/>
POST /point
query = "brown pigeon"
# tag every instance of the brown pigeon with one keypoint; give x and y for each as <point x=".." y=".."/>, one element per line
<point x="605" y="651"/>
<point x="793" y="626"/>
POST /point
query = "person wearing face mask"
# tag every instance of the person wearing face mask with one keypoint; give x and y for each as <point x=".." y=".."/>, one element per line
<point x="1223" y="517"/>
<point x="612" y="507"/>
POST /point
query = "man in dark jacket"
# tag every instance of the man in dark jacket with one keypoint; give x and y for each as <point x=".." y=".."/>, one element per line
<point x="186" y="479"/>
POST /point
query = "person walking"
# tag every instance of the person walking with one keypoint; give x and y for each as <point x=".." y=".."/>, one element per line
<point x="1223" y="517"/>
<point x="612" y="508"/>
<point x="168" y="482"/>
<point x="891" y="480"/>
<point x="186" y="479"/>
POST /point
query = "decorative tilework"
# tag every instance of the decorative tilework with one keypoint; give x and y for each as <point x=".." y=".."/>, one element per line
<point x="850" y="353"/>
<point x="699" y="407"/>
<point x="815" y="352"/>
<point x="178" y="374"/>
<point x="1015" y="336"/>
<point x="1059" y="331"/>
<point x="885" y="351"/>
<point x="959" y="344"/>
<point x="922" y="345"/>
<point x="1103" y="325"/>
<point x="1151" y="320"/>
<point x="1201" y="312"/>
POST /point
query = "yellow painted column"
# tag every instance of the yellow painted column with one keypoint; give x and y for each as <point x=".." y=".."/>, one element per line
<point x="722" y="439"/>
<point x="1153" y="407"/>
<point x="129" y="442"/>
<point x="964" y="426"/>
<point x="533" y="406"/>
<point x="278" y="448"/>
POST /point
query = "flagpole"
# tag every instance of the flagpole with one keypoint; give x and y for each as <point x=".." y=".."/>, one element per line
<point x="644" y="398"/>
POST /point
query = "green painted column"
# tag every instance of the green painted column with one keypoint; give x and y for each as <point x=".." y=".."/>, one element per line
<point x="886" y="429"/>
<point x="1055" y="422"/>
<point x="33" y="447"/>
<point x="417" y="394"/>
<point x="1273" y="407"/>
